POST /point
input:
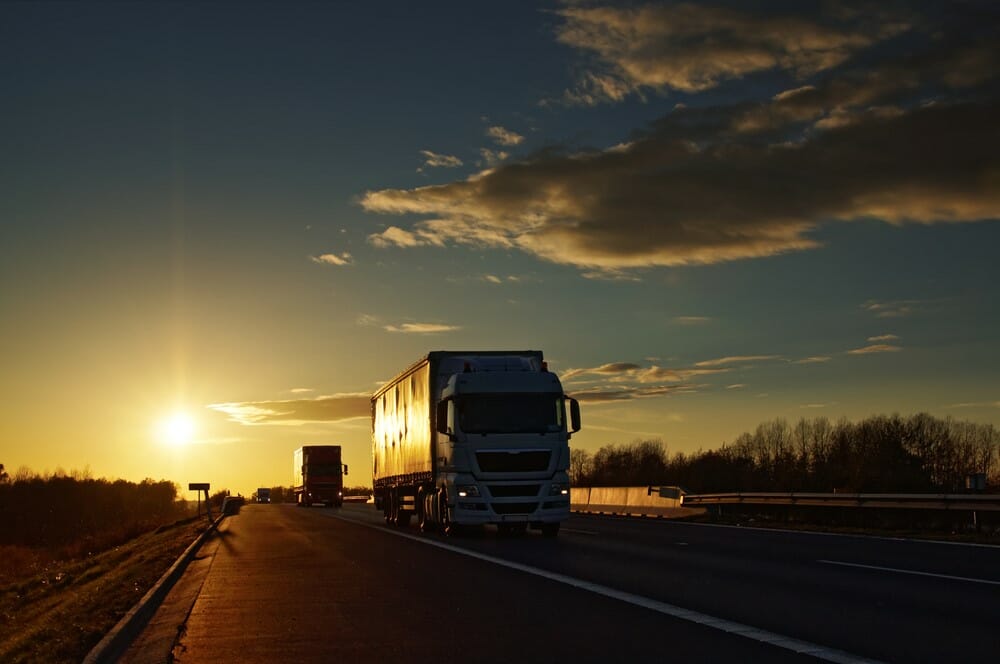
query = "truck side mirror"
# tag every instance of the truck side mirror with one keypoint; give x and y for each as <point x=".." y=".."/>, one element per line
<point x="574" y="415"/>
<point x="345" y="468"/>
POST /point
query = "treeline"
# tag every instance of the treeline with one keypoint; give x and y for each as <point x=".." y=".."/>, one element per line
<point x="56" y="510"/>
<point x="915" y="454"/>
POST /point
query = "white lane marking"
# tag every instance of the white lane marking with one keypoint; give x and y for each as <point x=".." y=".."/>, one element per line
<point x="676" y="522"/>
<point x="577" y="531"/>
<point x="728" y="626"/>
<point x="914" y="572"/>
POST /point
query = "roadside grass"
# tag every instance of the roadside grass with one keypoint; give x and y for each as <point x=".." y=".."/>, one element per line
<point x="55" y="608"/>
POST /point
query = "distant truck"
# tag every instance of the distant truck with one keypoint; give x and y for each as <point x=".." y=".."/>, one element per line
<point x="465" y="438"/>
<point x="263" y="495"/>
<point x="319" y="476"/>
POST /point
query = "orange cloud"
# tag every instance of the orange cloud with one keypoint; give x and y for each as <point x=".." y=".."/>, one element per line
<point x="333" y="408"/>
<point x="709" y="184"/>
<point x="693" y="47"/>
<point x="874" y="348"/>
<point x="421" y="328"/>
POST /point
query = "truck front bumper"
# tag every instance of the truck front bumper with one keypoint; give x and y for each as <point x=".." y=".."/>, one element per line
<point x="474" y="513"/>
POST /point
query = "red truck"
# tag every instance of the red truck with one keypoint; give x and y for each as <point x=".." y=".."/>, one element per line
<point x="319" y="476"/>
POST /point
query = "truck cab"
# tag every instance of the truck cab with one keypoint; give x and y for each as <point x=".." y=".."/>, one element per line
<point x="503" y="447"/>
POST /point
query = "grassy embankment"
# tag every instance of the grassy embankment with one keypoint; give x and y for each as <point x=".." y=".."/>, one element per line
<point x="55" y="605"/>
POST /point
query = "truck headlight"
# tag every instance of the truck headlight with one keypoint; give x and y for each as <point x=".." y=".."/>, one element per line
<point x="467" y="490"/>
<point x="559" y="490"/>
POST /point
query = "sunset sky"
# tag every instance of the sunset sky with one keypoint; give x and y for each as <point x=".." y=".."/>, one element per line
<point x="249" y="215"/>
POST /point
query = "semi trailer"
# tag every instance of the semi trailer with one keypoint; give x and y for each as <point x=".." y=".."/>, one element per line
<point x="318" y="476"/>
<point x="467" y="438"/>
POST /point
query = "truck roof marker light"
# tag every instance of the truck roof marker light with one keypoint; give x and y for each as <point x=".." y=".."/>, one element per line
<point x="545" y="366"/>
<point x="468" y="367"/>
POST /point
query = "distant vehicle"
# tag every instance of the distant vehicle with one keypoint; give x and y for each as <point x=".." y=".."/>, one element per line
<point x="319" y="476"/>
<point x="473" y="437"/>
<point x="263" y="495"/>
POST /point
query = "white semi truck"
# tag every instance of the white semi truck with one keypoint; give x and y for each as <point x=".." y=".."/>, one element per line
<point x="466" y="438"/>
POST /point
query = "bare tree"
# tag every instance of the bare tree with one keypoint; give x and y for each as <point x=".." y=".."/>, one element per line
<point x="580" y="466"/>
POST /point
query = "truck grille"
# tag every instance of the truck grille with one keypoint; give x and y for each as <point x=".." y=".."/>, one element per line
<point x="513" y="491"/>
<point x="514" y="508"/>
<point x="514" y="462"/>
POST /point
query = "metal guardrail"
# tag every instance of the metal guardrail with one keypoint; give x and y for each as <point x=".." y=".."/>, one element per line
<point x="933" y="501"/>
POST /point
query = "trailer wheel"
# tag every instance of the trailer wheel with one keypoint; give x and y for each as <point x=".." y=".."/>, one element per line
<point x="387" y="507"/>
<point x="424" y="521"/>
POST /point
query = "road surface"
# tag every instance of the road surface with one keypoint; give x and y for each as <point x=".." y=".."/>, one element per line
<point x="281" y="583"/>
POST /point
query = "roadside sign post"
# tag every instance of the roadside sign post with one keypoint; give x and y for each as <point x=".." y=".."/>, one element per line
<point x="199" y="487"/>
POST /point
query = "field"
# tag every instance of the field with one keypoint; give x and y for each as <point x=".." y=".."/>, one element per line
<point x="55" y="608"/>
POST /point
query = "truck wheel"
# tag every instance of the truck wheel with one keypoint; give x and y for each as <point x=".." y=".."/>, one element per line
<point x="448" y="527"/>
<point x="550" y="529"/>
<point x="403" y="518"/>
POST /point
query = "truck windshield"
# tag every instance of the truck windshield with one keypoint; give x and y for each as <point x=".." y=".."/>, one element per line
<point x="323" y="468"/>
<point x="510" y="413"/>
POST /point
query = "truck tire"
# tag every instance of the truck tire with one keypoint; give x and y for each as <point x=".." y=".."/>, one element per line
<point x="447" y="526"/>
<point x="424" y="522"/>
<point x="389" y="507"/>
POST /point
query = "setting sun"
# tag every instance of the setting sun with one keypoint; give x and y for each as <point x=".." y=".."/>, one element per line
<point x="177" y="429"/>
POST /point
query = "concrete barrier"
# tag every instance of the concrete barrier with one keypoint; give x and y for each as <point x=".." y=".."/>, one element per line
<point x="640" y="501"/>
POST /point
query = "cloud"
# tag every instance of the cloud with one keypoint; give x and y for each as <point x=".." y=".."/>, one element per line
<point x="883" y="337"/>
<point x="906" y="141"/>
<point x="874" y="348"/>
<point x="333" y="259"/>
<point x="332" y="408"/>
<point x="421" y="328"/>
<point x="618" y="372"/>
<point x="301" y="390"/>
<point x="494" y="279"/>
<point x="395" y="236"/>
<point x="367" y="320"/>
<point x="691" y="47"/>
<point x="894" y="309"/>
<point x="491" y="157"/>
<point x="691" y="320"/>
<point x="736" y="359"/>
<point x="975" y="404"/>
<point x="815" y="359"/>
<point x="504" y="136"/>
<point x="736" y="386"/>
<point x="435" y="160"/>
<point x="598" y="395"/>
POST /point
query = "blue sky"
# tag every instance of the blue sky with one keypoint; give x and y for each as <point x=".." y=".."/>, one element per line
<point x="706" y="215"/>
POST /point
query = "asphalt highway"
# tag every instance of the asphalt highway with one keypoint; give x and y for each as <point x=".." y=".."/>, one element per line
<point x="282" y="583"/>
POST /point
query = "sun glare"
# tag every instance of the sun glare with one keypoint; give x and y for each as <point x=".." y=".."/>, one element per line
<point x="177" y="429"/>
